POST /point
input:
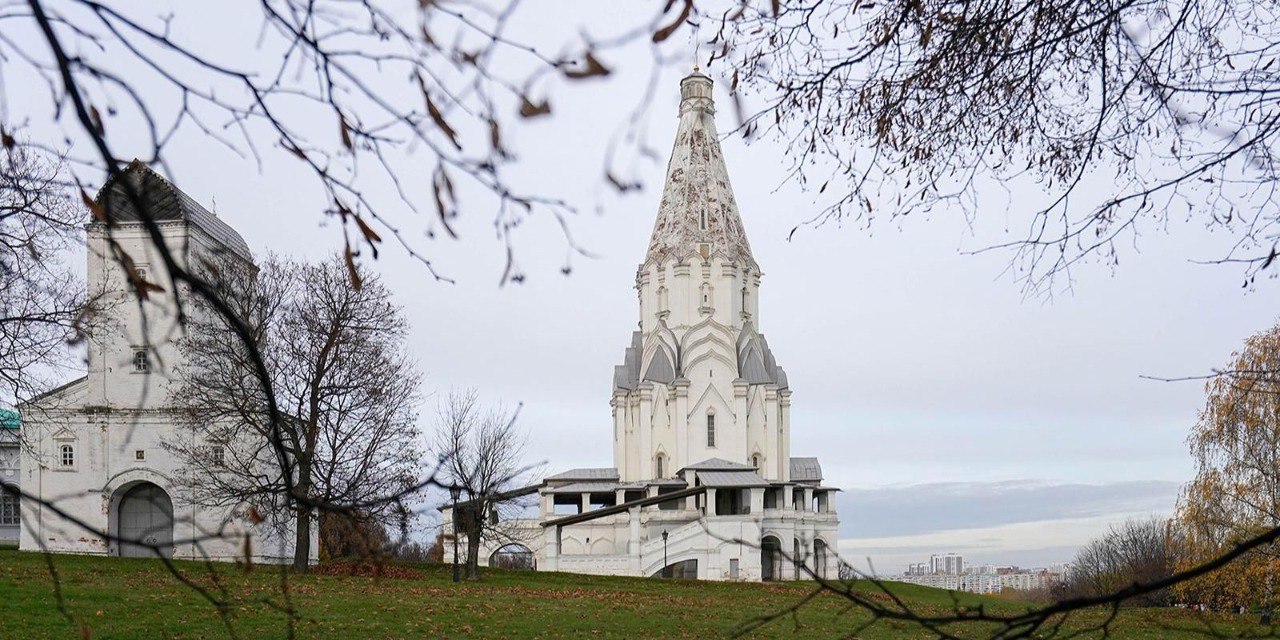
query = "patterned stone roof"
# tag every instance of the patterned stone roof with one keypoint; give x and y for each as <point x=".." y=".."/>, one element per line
<point x="697" y="204"/>
<point x="165" y="202"/>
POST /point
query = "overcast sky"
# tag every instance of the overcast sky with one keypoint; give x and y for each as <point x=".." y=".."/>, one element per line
<point x="956" y="414"/>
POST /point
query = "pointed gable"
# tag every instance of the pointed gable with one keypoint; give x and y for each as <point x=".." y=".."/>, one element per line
<point x="697" y="204"/>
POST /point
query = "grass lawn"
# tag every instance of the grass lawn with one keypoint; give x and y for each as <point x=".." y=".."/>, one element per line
<point x="124" y="598"/>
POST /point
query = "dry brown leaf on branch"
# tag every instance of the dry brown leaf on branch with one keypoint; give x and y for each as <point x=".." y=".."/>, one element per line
<point x="592" y="67"/>
<point x="531" y="110"/>
<point x="665" y="32"/>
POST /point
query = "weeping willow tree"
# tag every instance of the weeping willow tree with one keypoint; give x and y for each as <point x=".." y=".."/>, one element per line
<point x="1236" y="492"/>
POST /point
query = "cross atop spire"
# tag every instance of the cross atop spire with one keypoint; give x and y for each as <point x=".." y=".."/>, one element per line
<point x="698" y="213"/>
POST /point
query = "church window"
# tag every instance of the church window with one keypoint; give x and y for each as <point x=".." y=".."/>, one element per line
<point x="711" y="430"/>
<point x="140" y="454"/>
<point x="67" y="456"/>
<point x="755" y="461"/>
<point x="8" y="509"/>
<point x="217" y="456"/>
<point x="662" y="299"/>
<point x="659" y="466"/>
<point x="141" y="360"/>
<point x="702" y="222"/>
<point x="746" y="297"/>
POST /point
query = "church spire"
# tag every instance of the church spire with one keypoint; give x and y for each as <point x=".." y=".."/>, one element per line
<point x="697" y="206"/>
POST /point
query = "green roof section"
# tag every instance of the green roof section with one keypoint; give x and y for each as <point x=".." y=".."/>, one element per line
<point x="9" y="419"/>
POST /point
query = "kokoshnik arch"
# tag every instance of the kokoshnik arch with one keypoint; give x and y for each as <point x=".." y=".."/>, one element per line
<point x="701" y="411"/>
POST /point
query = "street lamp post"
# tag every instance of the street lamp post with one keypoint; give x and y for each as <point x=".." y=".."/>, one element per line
<point x="665" y="566"/>
<point x="455" y="492"/>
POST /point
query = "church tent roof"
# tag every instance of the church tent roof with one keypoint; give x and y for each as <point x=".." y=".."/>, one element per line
<point x="697" y="205"/>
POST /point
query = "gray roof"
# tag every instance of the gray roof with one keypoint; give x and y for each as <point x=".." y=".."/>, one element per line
<point x="660" y="368"/>
<point x="592" y="474"/>
<point x="731" y="479"/>
<point x="806" y="470"/>
<point x="719" y="464"/>
<point x="587" y="487"/>
<point x="164" y="201"/>
<point x="756" y="363"/>
<point x="627" y="375"/>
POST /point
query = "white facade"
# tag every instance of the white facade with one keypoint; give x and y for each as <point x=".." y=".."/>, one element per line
<point x="700" y="406"/>
<point x="95" y="445"/>
<point x="10" y="465"/>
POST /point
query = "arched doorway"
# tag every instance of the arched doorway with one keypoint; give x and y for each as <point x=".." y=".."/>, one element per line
<point x="770" y="559"/>
<point x="144" y="522"/>
<point x="820" y="558"/>
<point x="512" y="556"/>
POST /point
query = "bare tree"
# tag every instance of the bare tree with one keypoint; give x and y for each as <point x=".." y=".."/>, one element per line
<point x="1136" y="552"/>
<point x="910" y="106"/>
<point x="334" y="348"/>
<point x="41" y="298"/>
<point x="481" y="451"/>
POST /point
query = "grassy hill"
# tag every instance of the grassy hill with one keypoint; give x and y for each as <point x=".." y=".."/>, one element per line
<point x="123" y="598"/>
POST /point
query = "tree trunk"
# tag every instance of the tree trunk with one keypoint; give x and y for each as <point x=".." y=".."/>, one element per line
<point x="473" y="553"/>
<point x="302" y="533"/>
<point x="302" y="541"/>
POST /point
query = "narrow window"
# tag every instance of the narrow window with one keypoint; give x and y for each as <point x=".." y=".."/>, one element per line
<point x="141" y="363"/>
<point x="219" y="458"/>
<point x="658" y="466"/>
<point x="755" y="461"/>
<point x="8" y="509"/>
<point x="702" y="223"/>
<point x="67" y="456"/>
<point x="711" y="430"/>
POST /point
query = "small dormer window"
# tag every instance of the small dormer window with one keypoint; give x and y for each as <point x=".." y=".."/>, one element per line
<point x="141" y="360"/>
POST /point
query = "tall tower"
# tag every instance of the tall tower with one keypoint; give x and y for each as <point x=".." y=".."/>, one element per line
<point x="699" y="381"/>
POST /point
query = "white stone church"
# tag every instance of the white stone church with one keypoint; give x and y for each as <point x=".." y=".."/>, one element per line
<point x="95" y="444"/>
<point x="703" y="484"/>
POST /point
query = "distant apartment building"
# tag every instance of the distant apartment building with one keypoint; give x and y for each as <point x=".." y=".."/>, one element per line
<point x="949" y="572"/>
<point x="951" y="564"/>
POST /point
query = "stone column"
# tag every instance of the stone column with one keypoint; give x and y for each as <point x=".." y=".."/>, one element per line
<point x="633" y="543"/>
<point x="551" y="549"/>
<point x="757" y="501"/>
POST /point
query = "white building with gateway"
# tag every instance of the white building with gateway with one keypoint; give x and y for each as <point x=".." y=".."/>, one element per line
<point x="703" y="484"/>
<point x="94" y="458"/>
